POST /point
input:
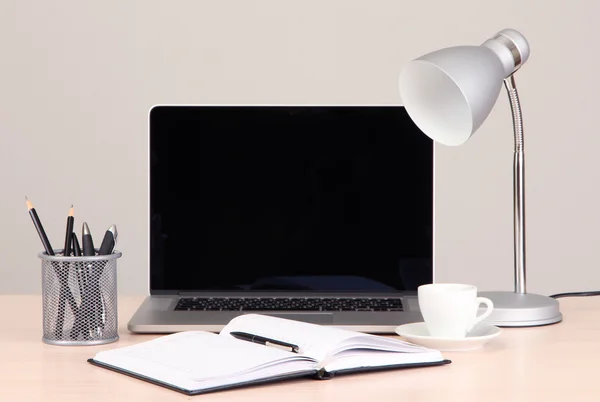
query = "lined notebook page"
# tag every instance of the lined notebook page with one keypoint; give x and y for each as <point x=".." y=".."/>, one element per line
<point x="193" y="357"/>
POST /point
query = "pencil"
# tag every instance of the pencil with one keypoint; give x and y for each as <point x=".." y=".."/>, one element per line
<point x="65" y="293"/>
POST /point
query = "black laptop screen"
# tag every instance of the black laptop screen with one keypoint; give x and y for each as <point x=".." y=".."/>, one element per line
<point x="261" y="198"/>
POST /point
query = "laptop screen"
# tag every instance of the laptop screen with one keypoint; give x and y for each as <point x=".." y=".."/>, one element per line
<point x="289" y="198"/>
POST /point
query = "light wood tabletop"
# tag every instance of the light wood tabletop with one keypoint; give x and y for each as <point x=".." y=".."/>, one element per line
<point x="552" y="363"/>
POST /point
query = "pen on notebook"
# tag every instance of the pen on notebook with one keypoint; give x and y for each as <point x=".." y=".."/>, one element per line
<point x="265" y="341"/>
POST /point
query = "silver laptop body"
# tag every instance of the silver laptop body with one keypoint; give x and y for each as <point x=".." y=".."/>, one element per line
<point x="318" y="213"/>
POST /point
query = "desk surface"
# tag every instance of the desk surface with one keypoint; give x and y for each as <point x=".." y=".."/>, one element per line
<point x="552" y="363"/>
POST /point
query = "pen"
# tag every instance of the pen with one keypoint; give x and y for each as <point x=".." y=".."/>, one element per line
<point x="106" y="248"/>
<point x="81" y="279"/>
<point x="83" y="286"/>
<point x="92" y="280"/>
<point x="109" y="241"/>
<point x="265" y="341"/>
<point x="68" y="234"/>
<point x="38" y="226"/>
<point x="88" y="243"/>
<point x="65" y="268"/>
<point x="76" y="246"/>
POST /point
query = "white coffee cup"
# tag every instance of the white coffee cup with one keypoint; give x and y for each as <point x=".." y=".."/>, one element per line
<point x="450" y="309"/>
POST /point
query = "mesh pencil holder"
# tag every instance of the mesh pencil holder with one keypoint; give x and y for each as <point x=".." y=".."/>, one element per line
<point x="79" y="299"/>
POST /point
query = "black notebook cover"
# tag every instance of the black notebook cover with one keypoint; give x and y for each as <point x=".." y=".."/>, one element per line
<point x="308" y="374"/>
<point x="321" y="375"/>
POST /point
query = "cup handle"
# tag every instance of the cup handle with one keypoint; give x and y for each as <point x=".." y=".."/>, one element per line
<point x="489" y="307"/>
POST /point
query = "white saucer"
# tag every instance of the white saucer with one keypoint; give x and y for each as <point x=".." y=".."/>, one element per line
<point x="417" y="333"/>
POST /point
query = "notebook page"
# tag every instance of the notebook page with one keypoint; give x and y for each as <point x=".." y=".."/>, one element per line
<point x="192" y="357"/>
<point x="381" y="343"/>
<point x="314" y="340"/>
<point x="358" y="358"/>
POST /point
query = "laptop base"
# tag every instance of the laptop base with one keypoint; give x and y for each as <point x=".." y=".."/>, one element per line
<point x="157" y="315"/>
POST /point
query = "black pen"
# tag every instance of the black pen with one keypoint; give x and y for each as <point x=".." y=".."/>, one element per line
<point x="38" y="226"/>
<point x="109" y="241"/>
<point x="65" y="268"/>
<point x="76" y="247"/>
<point x="68" y="234"/>
<point x="92" y="274"/>
<point x="83" y="288"/>
<point x="106" y="248"/>
<point x="88" y="243"/>
<point x="265" y="341"/>
<point x="77" y="253"/>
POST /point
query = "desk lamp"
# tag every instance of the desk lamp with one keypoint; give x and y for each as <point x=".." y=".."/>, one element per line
<point x="448" y="94"/>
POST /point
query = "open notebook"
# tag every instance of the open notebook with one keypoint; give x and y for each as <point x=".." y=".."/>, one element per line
<point x="195" y="362"/>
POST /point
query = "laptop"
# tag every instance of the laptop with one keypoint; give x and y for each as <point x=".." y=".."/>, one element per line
<point x="316" y="213"/>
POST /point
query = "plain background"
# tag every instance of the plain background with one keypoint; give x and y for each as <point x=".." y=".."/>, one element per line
<point x="77" y="79"/>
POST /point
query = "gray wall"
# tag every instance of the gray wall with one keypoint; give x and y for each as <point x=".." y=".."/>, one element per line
<point x="77" y="79"/>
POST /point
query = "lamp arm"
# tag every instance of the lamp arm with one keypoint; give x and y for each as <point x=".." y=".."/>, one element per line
<point x="518" y="186"/>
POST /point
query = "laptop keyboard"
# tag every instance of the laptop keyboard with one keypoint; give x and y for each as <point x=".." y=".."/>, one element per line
<point x="287" y="304"/>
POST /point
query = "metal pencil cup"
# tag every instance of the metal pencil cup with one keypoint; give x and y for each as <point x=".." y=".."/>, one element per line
<point x="79" y="299"/>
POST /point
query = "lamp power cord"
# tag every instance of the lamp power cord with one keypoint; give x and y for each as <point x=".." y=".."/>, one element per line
<point x="576" y="294"/>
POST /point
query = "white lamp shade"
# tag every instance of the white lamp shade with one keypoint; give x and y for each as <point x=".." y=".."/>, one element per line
<point x="450" y="92"/>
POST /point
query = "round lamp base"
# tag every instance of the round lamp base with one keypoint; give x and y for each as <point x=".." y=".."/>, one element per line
<point x="522" y="309"/>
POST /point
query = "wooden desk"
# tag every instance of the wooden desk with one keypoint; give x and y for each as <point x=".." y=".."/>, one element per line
<point x="553" y="363"/>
